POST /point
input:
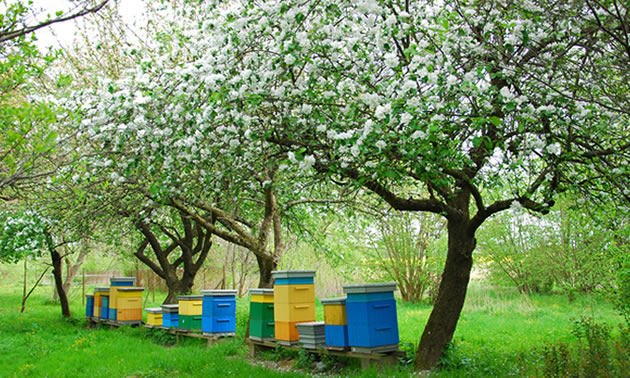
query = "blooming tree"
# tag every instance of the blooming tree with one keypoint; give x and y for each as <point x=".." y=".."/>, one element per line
<point x="431" y="106"/>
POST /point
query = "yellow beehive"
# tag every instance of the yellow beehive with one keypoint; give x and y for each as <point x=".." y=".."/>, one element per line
<point x="294" y="312"/>
<point x="335" y="311"/>
<point x="294" y="293"/>
<point x="190" y="304"/>
<point x="154" y="316"/>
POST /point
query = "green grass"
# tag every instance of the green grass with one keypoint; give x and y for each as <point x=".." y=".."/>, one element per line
<point x="496" y="336"/>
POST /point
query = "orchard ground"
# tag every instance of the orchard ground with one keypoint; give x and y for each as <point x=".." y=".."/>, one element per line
<point x="500" y="333"/>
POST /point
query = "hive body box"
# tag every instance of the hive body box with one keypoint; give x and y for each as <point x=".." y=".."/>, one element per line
<point x="104" y="306"/>
<point x="129" y="304"/>
<point x="89" y="305"/>
<point x="294" y="302"/>
<point x="190" y="310"/>
<point x="336" y="322"/>
<point x="371" y="312"/>
<point x="98" y="292"/>
<point x="114" y="284"/>
<point x="170" y="315"/>
<point x="154" y="316"/>
<point x="261" y="323"/>
<point x="219" y="312"/>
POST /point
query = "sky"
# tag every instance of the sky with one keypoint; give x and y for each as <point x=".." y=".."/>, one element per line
<point x="62" y="34"/>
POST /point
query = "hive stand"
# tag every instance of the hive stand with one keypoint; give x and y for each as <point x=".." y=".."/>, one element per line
<point x="368" y="359"/>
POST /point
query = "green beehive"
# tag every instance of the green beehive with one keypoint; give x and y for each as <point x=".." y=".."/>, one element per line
<point x="261" y="323"/>
<point x="190" y="310"/>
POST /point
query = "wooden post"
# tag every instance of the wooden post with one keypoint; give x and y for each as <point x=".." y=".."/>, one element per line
<point x="83" y="285"/>
<point x="24" y="291"/>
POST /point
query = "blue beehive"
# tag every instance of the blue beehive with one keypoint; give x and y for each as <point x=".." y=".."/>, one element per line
<point x="89" y="305"/>
<point x="104" y="306"/>
<point x="218" y="311"/>
<point x="336" y="321"/>
<point x="170" y="315"/>
<point x="371" y="311"/>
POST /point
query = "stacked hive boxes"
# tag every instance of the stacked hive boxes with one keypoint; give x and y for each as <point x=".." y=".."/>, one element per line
<point x="190" y="309"/>
<point x="170" y="315"/>
<point x="104" y="306"/>
<point x="261" y="326"/>
<point x="312" y="335"/>
<point x="129" y="305"/>
<point x="336" y="322"/>
<point x="294" y="302"/>
<point x="372" y="321"/>
<point x="89" y="305"/>
<point x="219" y="312"/>
<point x="98" y="292"/>
<point x="114" y="284"/>
<point x="154" y="316"/>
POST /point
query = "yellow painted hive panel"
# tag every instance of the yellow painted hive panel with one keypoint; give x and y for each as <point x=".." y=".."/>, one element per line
<point x="129" y="303"/>
<point x="128" y="314"/>
<point x="335" y="314"/>
<point x="154" y="319"/>
<point x="294" y="312"/>
<point x="129" y="294"/>
<point x="294" y="293"/>
<point x="258" y="298"/>
<point x="286" y="331"/>
<point x="190" y="307"/>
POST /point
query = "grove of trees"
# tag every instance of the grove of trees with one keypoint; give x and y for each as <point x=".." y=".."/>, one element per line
<point x="247" y="121"/>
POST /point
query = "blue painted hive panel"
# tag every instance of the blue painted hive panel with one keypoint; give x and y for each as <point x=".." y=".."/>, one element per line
<point x="336" y="335"/>
<point x="218" y="306"/>
<point x="372" y="324"/>
<point x="122" y="283"/>
<point x="218" y="324"/>
<point x="294" y="281"/>
<point x="170" y="319"/>
<point x="89" y="305"/>
<point x="113" y="314"/>
<point x="105" y="307"/>
<point x="370" y="297"/>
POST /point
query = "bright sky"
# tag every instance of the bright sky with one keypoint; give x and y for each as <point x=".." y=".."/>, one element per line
<point x="62" y="34"/>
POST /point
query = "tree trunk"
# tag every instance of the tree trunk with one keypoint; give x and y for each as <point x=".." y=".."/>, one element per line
<point x="266" y="265"/>
<point x="451" y="295"/>
<point x="63" y="299"/>
<point x="177" y="287"/>
<point x="73" y="269"/>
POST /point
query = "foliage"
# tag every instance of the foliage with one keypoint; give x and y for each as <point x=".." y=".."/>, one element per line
<point x="404" y="247"/>
<point x="24" y="234"/>
<point x="597" y="353"/>
<point x="567" y="249"/>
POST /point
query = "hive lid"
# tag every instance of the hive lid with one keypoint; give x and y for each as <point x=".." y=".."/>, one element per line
<point x="153" y="310"/>
<point x="130" y="289"/>
<point x="219" y="293"/>
<point x="101" y="289"/>
<point x="369" y="288"/>
<point x="293" y="273"/>
<point x="170" y="307"/>
<point x="310" y="324"/>
<point x="333" y="301"/>
<point x="122" y="279"/>
<point x="190" y="297"/>
<point x="89" y="295"/>
<point x="261" y="291"/>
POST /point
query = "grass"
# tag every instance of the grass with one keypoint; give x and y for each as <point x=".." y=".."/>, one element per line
<point x="496" y="336"/>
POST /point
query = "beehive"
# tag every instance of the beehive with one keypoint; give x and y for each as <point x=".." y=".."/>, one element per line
<point x="104" y="306"/>
<point x="98" y="291"/>
<point x="190" y="310"/>
<point x="371" y="314"/>
<point x="261" y="323"/>
<point x="114" y="284"/>
<point x="129" y="304"/>
<point x="170" y="315"/>
<point x="89" y="305"/>
<point x="219" y="312"/>
<point x="154" y="316"/>
<point x="294" y="302"/>
<point x="336" y="322"/>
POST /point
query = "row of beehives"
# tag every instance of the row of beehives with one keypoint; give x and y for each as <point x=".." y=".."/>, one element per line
<point x="120" y="302"/>
<point x="366" y="318"/>
<point x="213" y="312"/>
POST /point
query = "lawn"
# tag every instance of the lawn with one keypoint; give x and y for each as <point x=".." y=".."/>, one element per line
<point x="497" y="335"/>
